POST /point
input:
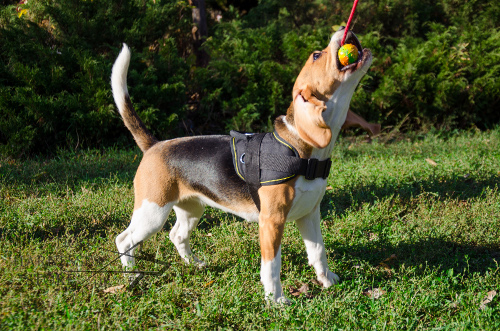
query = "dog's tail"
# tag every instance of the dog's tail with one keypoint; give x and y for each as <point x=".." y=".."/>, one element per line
<point x="141" y="134"/>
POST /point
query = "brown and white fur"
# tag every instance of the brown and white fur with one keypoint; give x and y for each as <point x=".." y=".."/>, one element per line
<point x="185" y="174"/>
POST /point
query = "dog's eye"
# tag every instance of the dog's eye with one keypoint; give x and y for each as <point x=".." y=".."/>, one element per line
<point x="316" y="56"/>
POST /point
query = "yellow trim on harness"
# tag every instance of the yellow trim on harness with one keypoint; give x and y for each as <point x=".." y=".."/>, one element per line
<point x="275" y="180"/>
<point x="236" y="159"/>
<point x="284" y="143"/>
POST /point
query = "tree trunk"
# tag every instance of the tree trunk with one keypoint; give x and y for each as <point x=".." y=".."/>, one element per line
<point x="199" y="31"/>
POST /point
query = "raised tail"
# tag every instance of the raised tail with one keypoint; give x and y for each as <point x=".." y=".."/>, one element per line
<point x="142" y="136"/>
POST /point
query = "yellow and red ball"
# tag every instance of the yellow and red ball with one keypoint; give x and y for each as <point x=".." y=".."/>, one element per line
<point x="348" y="54"/>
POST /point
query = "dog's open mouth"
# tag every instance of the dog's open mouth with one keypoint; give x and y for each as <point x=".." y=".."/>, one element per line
<point x="352" y="39"/>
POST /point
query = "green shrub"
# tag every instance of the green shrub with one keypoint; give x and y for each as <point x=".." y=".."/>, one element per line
<point x="250" y="77"/>
<point x="55" y="64"/>
<point x="448" y="80"/>
<point x="435" y="64"/>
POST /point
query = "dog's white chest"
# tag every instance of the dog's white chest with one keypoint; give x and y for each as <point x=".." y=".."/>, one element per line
<point x="308" y="194"/>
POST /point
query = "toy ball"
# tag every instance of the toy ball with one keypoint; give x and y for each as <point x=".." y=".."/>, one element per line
<point x="348" y="54"/>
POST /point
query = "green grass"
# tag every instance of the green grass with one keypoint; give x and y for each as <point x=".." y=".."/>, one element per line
<point x="441" y="224"/>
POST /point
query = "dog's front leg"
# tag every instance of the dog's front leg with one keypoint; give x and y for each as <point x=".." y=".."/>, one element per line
<point x="275" y="205"/>
<point x="309" y="227"/>
<point x="271" y="232"/>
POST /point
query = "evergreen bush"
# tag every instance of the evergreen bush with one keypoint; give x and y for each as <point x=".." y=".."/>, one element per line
<point x="436" y="64"/>
<point x="55" y="64"/>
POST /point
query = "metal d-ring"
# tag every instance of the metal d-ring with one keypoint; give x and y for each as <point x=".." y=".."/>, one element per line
<point x="241" y="158"/>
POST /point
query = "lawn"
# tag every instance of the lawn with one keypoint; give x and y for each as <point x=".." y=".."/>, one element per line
<point x="411" y="224"/>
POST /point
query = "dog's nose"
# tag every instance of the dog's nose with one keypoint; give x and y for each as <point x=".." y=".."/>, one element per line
<point x="341" y="28"/>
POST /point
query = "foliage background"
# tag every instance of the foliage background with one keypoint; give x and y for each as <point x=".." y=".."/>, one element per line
<point x="436" y="65"/>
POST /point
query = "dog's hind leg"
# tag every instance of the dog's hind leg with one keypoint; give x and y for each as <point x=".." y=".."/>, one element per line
<point x="309" y="227"/>
<point x="188" y="214"/>
<point x="146" y="221"/>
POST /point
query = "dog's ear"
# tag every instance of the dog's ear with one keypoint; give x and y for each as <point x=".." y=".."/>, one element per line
<point x="354" y="119"/>
<point x="309" y="121"/>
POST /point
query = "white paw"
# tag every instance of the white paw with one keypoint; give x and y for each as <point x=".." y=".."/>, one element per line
<point x="134" y="279"/>
<point x="329" y="279"/>
<point x="194" y="261"/>
<point x="281" y="301"/>
<point x="200" y="264"/>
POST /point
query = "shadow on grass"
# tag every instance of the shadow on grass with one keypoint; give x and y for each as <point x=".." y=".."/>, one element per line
<point x="70" y="171"/>
<point x="451" y="187"/>
<point x="86" y="230"/>
<point x="439" y="254"/>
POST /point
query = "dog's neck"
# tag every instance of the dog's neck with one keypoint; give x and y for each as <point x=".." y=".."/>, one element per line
<point x="285" y="126"/>
<point x="335" y="114"/>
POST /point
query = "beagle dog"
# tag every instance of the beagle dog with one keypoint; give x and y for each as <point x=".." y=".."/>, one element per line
<point x="186" y="174"/>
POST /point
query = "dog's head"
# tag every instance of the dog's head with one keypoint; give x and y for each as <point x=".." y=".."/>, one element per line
<point x="323" y="91"/>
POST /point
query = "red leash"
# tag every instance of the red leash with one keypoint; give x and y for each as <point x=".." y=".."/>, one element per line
<point x="349" y="21"/>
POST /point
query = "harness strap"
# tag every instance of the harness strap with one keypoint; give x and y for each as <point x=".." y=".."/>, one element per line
<point x="310" y="168"/>
<point x="253" y="166"/>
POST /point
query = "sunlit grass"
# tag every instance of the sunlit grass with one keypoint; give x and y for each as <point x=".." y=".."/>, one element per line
<point x="426" y="235"/>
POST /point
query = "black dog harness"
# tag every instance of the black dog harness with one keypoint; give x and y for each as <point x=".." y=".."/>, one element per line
<point x="267" y="159"/>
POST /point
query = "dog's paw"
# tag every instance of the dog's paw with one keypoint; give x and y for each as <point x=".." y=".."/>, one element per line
<point x="329" y="279"/>
<point x="281" y="301"/>
<point x="193" y="260"/>
<point x="134" y="279"/>
<point x="200" y="264"/>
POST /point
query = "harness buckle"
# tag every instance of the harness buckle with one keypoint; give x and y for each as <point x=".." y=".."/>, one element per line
<point x="328" y="166"/>
<point x="311" y="169"/>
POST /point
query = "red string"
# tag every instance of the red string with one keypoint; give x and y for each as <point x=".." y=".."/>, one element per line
<point x="349" y="22"/>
